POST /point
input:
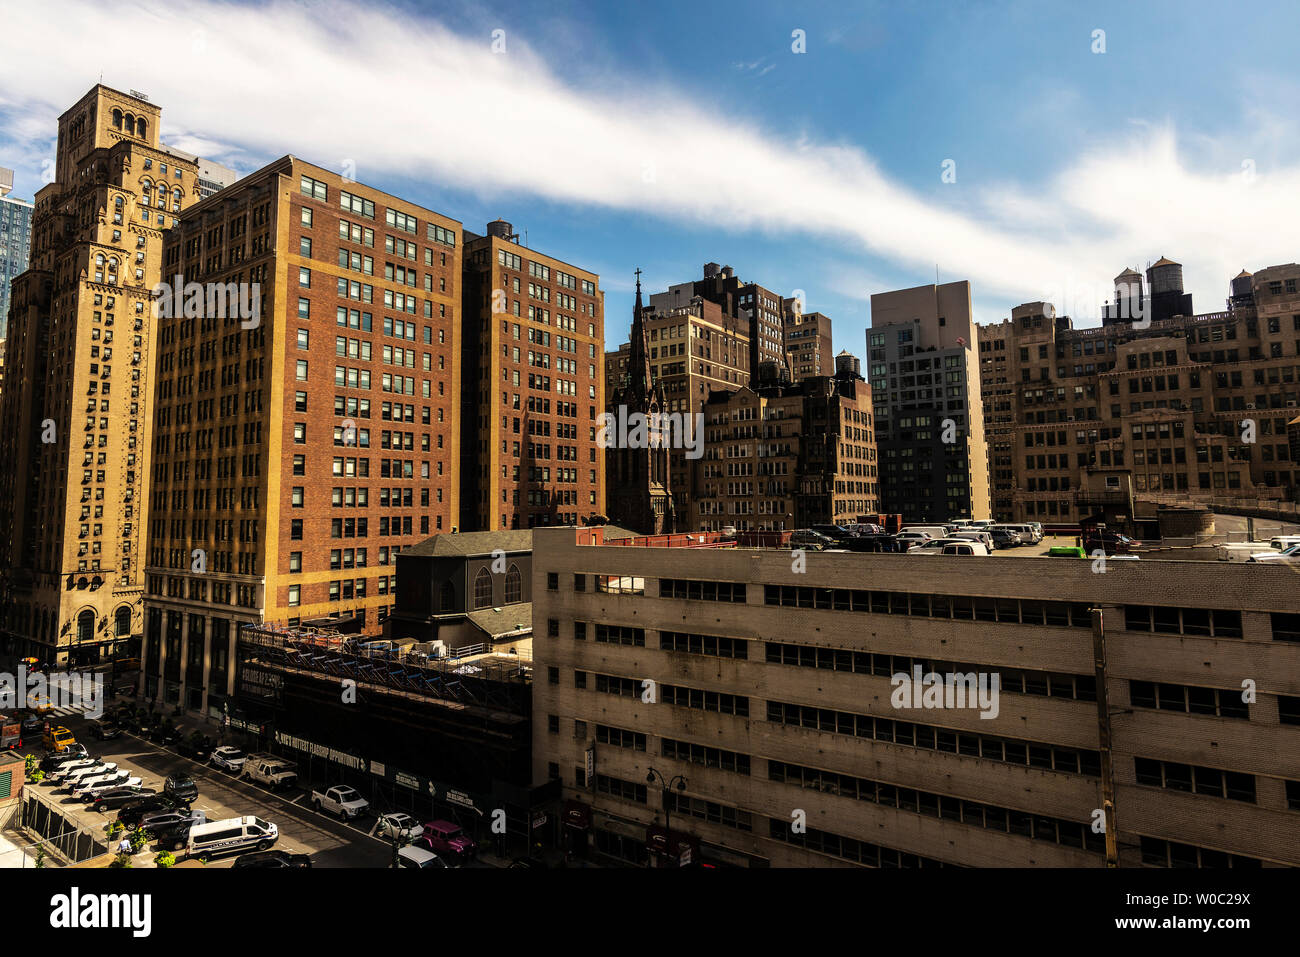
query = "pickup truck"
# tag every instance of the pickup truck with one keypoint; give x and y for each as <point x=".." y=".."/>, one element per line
<point x="340" y="800"/>
<point x="272" y="771"/>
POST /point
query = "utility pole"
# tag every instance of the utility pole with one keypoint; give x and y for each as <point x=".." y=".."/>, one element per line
<point x="1103" y="736"/>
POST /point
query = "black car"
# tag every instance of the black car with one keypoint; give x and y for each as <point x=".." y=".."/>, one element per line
<point x="198" y="748"/>
<point x="117" y="797"/>
<point x="837" y="533"/>
<point x="32" y="723"/>
<point x="181" y="787"/>
<point x="174" y="836"/>
<point x="272" y="859"/>
<point x="872" y="543"/>
<point x="105" y="730"/>
<point x="165" y="734"/>
<point x="53" y="760"/>
<point x="131" y="812"/>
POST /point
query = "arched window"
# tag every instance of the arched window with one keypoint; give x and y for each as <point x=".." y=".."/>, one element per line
<point x="117" y="119"/>
<point x="86" y="626"/>
<point x="140" y="127"/>
<point x="123" y="622"/>
<point x="447" y="597"/>
<point x="482" y="589"/>
<point x="514" y="585"/>
<point x="128" y="121"/>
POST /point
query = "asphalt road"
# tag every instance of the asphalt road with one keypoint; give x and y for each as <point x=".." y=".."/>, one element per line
<point x="328" y="841"/>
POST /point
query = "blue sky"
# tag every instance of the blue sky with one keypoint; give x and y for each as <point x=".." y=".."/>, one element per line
<point x="667" y="135"/>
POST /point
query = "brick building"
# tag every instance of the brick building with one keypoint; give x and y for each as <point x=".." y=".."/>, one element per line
<point x="297" y="453"/>
<point x="534" y="333"/>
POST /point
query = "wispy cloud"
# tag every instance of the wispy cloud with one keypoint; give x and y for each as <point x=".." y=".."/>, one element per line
<point x="261" y="81"/>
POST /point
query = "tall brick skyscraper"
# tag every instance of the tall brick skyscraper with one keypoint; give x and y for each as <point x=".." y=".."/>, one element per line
<point x="296" y="455"/>
<point x="533" y="367"/>
<point x="76" y="403"/>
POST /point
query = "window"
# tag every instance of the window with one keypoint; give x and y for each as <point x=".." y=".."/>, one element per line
<point x="295" y="595"/>
<point x="514" y="585"/>
<point x="482" y="589"/>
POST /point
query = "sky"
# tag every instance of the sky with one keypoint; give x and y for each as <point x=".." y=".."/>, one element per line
<point x="824" y="150"/>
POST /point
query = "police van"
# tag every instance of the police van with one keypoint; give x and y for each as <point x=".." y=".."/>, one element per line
<point x="231" y="836"/>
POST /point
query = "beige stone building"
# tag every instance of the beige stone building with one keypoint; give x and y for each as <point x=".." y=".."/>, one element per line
<point x="765" y="698"/>
<point x="1187" y="406"/>
<point x="807" y="341"/>
<point x="80" y="383"/>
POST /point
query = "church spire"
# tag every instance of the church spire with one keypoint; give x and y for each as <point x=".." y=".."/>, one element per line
<point x="639" y="361"/>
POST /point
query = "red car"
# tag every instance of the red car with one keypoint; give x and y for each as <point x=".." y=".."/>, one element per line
<point x="443" y="837"/>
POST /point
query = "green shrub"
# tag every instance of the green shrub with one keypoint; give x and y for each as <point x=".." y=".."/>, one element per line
<point x="164" y="859"/>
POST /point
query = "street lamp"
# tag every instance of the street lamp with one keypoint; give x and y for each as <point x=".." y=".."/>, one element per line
<point x="667" y="785"/>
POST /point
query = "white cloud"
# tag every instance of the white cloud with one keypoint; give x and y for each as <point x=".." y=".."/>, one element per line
<point x="401" y="95"/>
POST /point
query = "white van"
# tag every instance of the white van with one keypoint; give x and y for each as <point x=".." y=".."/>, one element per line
<point x="1241" y="551"/>
<point x="231" y="836"/>
<point x="1282" y="542"/>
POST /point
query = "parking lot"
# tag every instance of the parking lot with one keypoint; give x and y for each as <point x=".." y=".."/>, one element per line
<point x="328" y="841"/>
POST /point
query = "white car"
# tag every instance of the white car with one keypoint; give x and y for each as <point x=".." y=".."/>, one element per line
<point x="401" y="826"/>
<point x="72" y="767"/>
<point x="911" y="538"/>
<point x="953" y="546"/>
<point x="1291" y="554"/>
<point x="934" y="546"/>
<point x="89" y="771"/>
<point x="122" y="779"/>
<point x="227" y="758"/>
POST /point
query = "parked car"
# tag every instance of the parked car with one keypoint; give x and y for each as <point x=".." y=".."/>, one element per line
<point x="980" y="535"/>
<point x="32" y="723"/>
<point x="1291" y="554"/>
<point x="341" y="800"/>
<point x="166" y="734"/>
<point x="934" y="545"/>
<point x="87" y="791"/>
<point x="398" y="825"/>
<point x="105" y="730"/>
<point x="269" y="770"/>
<point x="419" y="857"/>
<point x="273" y="859"/>
<point x="181" y="788"/>
<point x="909" y="538"/>
<point x="116" y="797"/>
<point x="174" y="834"/>
<point x="86" y="772"/>
<point x="157" y="820"/>
<point x="952" y="546"/>
<point x="57" y="738"/>
<point x="132" y="813"/>
<point x="227" y="758"/>
<point x="836" y="533"/>
<point x="58" y="771"/>
<point x="1107" y="542"/>
<point x="1002" y="537"/>
<point x="873" y="543"/>
<point x="932" y="531"/>
<point x="197" y="747"/>
<point x="231" y="836"/>
<point x="444" y="837"/>
<point x="806" y="538"/>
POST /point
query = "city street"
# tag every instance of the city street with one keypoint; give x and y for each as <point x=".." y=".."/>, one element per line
<point x="328" y="841"/>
